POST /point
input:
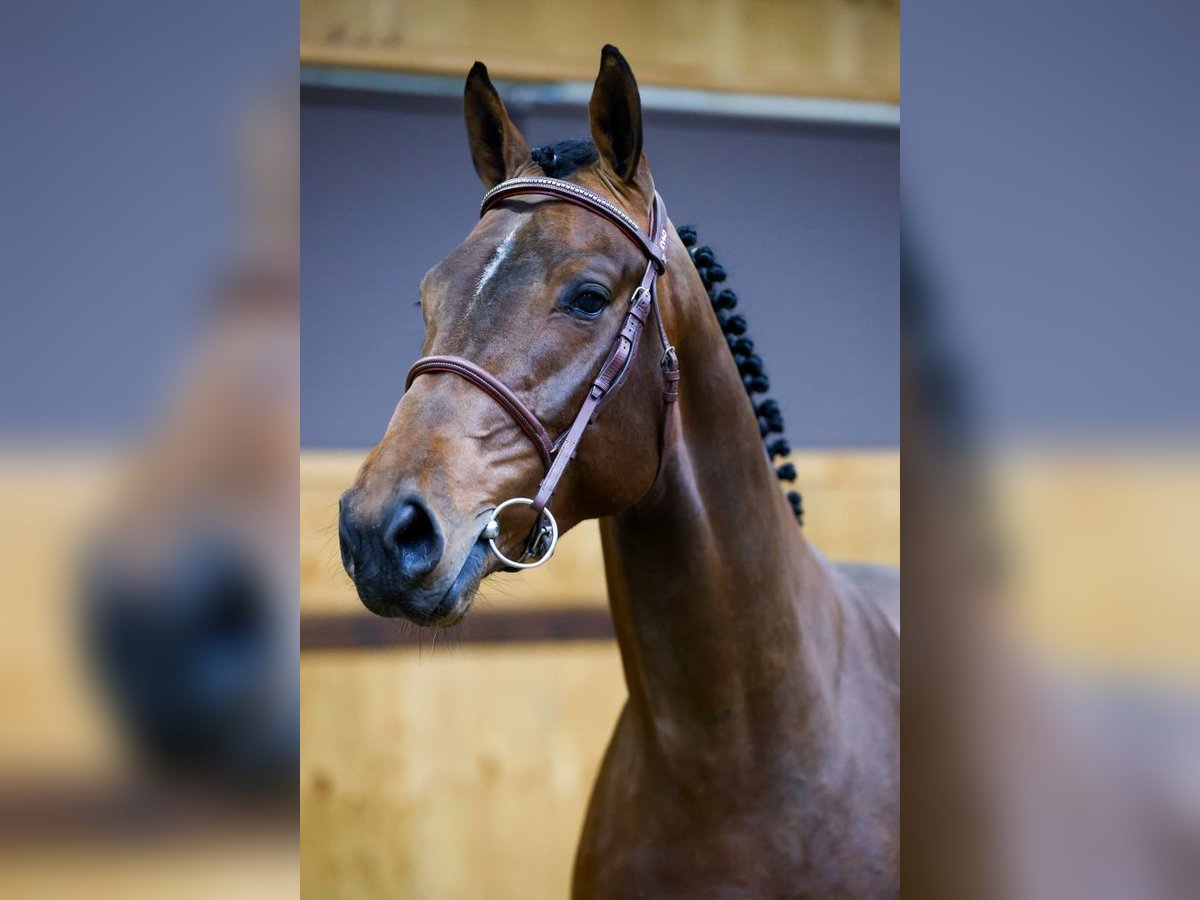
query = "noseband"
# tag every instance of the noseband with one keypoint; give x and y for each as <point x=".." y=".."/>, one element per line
<point x="557" y="453"/>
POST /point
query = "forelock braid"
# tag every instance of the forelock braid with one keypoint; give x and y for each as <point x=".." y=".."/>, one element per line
<point x="750" y="364"/>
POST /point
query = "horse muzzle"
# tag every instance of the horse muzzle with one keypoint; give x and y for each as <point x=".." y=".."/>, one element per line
<point x="395" y="559"/>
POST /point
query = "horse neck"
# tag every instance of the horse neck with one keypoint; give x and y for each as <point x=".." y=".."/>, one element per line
<point x="717" y="600"/>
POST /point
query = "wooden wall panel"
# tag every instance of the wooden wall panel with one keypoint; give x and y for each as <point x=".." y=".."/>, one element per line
<point x="852" y="502"/>
<point x="45" y="685"/>
<point x="1100" y="564"/>
<point x="819" y="48"/>
<point x="450" y="774"/>
<point x="231" y="868"/>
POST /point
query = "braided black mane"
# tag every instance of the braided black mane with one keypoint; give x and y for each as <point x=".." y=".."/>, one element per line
<point x="750" y="364"/>
<point x="562" y="159"/>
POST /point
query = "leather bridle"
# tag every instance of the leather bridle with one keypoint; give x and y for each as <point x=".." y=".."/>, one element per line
<point x="556" y="454"/>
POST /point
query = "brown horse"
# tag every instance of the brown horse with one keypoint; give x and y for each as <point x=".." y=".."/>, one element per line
<point x="758" y="753"/>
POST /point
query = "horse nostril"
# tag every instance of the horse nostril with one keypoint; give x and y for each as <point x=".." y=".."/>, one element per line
<point x="414" y="537"/>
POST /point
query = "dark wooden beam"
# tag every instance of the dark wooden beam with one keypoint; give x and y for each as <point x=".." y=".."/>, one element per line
<point x="359" y="631"/>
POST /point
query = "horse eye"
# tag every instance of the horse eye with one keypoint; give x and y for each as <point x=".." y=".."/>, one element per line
<point x="588" y="303"/>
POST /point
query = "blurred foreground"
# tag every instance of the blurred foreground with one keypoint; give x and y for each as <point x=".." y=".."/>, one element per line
<point x="1051" y="593"/>
<point x="1051" y="451"/>
<point x="148" y="433"/>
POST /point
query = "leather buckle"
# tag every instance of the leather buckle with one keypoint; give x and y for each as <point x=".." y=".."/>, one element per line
<point x="670" y="360"/>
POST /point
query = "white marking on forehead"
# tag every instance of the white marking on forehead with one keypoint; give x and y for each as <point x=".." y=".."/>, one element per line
<point x="498" y="257"/>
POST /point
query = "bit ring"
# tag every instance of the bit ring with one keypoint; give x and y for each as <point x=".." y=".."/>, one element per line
<point x="491" y="531"/>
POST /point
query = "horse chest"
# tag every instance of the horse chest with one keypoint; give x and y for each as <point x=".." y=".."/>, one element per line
<point x="739" y="858"/>
<point x="645" y="836"/>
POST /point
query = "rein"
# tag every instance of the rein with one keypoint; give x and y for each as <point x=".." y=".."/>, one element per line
<point x="556" y="454"/>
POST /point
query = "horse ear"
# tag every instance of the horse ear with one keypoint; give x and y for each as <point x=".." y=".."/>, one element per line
<point x="616" y="114"/>
<point x="497" y="148"/>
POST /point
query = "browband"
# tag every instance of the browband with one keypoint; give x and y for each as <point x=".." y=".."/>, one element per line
<point x="655" y="248"/>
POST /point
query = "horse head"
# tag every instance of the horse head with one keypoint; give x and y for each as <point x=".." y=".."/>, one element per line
<point x="535" y="295"/>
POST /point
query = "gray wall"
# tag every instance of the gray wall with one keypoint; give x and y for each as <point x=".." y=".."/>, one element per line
<point x="118" y="204"/>
<point x="805" y="219"/>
